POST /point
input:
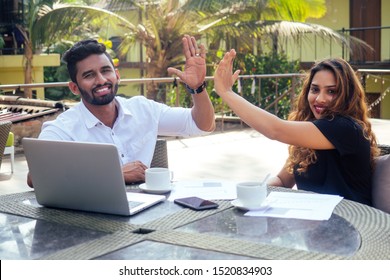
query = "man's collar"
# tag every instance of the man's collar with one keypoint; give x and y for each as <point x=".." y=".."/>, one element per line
<point x="90" y="120"/>
<point x="122" y="111"/>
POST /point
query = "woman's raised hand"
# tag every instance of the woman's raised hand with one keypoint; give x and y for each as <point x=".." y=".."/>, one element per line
<point x="224" y="78"/>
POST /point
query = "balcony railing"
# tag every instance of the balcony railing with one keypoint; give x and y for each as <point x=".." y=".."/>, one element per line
<point x="271" y="98"/>
<point x="379" y="37"/>
<point x="257" y="91"/>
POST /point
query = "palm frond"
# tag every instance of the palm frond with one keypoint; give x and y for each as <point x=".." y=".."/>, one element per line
<point x="294" y="10"/>
<point x="299" y="30"/>
<point x="63" y="20"/>
<point x="247" y="30"/>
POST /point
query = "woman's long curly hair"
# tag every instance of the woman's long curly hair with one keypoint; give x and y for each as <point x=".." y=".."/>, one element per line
<point x="350" y="100"/>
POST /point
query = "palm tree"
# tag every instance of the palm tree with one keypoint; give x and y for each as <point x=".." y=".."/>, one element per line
<point x="164" y="23"/>
<point x="30" y="37"/>
<point x="26" y="29"/>
<point x="28" y="45"/>
<point x="28" y="59"/>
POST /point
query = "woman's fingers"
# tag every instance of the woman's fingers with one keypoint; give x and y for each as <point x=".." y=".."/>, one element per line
<point x="235" y="76"/>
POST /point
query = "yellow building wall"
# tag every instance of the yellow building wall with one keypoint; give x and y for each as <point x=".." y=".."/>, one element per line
<point x="385" y="103"/>
<point x="129" y="89"/>
<point x="378" y="83"/>
<point x="312" y="48"/>
<point x="385" y="55"/>
<point x="134" y="55"/>
<point x="385" y="35"/>
<point x="11" y="69"/>
<point x="336" y="18"/>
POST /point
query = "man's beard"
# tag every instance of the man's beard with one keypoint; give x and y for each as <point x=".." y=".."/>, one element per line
<point x="101" y="100"/>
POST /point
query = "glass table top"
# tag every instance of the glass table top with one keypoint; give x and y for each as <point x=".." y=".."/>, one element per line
<point x="25" y="238"/>
<point x="334" y="236"/>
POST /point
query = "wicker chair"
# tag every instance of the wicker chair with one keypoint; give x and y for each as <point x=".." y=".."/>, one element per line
<point x="5" y="128"/>
<point x="385" y="149"/>
<point x="10" y="150"/>
<point x="381" y="180"/>
<point x="160" y="156"/>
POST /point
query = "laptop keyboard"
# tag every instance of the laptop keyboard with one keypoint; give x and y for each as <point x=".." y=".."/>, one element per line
<point x="133" y="204"/>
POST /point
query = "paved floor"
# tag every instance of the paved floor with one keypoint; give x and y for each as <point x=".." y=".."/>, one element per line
<point x="242" y="154"/>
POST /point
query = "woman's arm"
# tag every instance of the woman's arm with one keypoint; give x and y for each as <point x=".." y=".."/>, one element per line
<point x="303" y="134"/>
<point x="283" y="179"/>
<point x="29" y="181"/>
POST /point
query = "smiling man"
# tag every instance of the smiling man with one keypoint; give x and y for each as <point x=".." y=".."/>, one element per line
<point x="132" y="124"/>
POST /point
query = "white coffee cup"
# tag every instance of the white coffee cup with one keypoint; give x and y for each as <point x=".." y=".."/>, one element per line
<point x="251" y="194"/>
<point x="158" y="178"/>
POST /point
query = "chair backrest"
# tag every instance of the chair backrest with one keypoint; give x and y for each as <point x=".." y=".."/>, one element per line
<point x="381" y="180"/>
<point x="10" y="140"/>
<point x="384" y="149"/>
<point x="160" y="156"/>
<point x="5" y="128"/>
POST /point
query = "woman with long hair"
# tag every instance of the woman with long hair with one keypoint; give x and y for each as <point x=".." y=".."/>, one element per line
<point x="331" y="143"/>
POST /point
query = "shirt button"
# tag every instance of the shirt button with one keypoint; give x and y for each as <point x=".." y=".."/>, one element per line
<point x="122" y="155"/>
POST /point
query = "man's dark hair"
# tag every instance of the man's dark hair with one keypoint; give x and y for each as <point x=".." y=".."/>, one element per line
<point x="80" y="51"/>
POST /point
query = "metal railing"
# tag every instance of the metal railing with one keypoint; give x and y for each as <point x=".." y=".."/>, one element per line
<point x="264" y="97"/>
<point x="278" y="93"/>
<point x="382" y="34"/>
<point x="222" y="112"/>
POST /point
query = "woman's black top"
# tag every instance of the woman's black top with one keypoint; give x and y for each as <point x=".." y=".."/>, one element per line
<point x="345" y="170"/>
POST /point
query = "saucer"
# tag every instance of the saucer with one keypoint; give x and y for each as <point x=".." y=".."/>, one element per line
<point x="158" y="191"/>
<point x="237" y="203"/>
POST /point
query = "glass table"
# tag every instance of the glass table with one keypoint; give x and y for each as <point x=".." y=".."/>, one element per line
<point x="168" y="231"/>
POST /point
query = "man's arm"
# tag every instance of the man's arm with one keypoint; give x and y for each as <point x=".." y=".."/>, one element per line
<point x="203" y="111"/>
<point x="134" y="172"/>
<point x="194" y="77"/>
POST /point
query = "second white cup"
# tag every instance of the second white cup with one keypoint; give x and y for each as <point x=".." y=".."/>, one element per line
<point x="158" y="178"/>
<point x="251" y="194"/>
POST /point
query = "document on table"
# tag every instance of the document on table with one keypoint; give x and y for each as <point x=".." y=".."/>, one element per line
<point x="297" y="205"/>
<point x="206" y="189"/>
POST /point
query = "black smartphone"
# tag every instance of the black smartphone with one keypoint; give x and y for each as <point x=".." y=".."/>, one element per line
<point x="196" y="203"/>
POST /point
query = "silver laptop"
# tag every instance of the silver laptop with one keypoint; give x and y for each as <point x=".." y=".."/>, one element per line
<point x="82" y="176"/>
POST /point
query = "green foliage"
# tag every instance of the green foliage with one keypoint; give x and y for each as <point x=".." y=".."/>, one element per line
<point x="249" y="64"/>
<point x="263" y="92"/>
<point x="58" y="74"/>
<point x="2" y="43"/>
<point x="161" y="25"/>
<point x="177" y="95"/>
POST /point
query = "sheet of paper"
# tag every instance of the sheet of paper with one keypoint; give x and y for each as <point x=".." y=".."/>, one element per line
<point x="297" y="205"/>
<point x="206" y="189"/>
